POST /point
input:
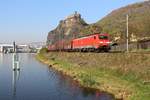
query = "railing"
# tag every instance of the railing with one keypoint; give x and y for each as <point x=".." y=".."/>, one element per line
<point x="132" y="46"/>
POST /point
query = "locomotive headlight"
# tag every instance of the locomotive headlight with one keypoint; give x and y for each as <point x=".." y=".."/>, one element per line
<point x="101" y="42"/>
<point x="108" y="42"/>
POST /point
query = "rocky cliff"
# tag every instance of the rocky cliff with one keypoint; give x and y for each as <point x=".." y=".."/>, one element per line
<point x="67" y="29"/>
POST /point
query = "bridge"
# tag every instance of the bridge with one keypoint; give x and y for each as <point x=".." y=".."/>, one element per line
<point x="6" y="48"/>
<point x="21" y="48"/>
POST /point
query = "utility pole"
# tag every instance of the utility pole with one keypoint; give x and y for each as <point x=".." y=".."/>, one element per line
<point x="127" y="34"/>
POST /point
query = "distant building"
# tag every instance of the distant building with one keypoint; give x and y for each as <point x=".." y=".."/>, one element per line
<point x="37" y="44"/>
<point x="22" y="48"/>
<point x="72" y="19"/>
<point x="4" y="48"/>
<point x="75" y="15"/>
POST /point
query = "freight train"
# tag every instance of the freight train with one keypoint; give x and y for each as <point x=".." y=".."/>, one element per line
<point x="95" y="42"/>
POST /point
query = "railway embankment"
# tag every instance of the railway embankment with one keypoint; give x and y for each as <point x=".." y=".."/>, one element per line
<point x="126" y="75"/>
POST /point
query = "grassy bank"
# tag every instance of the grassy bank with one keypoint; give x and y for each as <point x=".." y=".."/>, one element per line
<point x="125" y="75"/>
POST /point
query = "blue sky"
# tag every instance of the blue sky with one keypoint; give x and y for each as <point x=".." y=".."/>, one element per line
<point x="30" y="20"/>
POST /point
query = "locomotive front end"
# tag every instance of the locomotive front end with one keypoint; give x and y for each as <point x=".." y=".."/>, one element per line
<point x="104" y="42"/>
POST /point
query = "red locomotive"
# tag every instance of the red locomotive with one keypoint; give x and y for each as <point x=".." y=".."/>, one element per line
<point x="94" y="42"/>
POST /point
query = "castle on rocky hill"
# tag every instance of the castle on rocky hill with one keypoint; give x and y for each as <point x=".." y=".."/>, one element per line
<point x="71" y="19"/>
<point x="68" y="28"/>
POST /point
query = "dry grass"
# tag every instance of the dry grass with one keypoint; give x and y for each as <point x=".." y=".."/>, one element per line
<point x="126" y="75"/>
<point x="139" y="64"/>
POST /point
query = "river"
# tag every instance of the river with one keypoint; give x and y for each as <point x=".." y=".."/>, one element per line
<point x="37" y="81"/>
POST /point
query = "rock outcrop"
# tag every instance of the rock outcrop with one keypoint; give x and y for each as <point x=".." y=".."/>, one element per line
<point x="67" y="29"/>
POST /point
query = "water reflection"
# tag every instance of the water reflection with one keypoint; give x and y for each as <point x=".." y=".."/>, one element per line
<point x="98" y="95"/>
<point x="15" y="79"/>
<point x="16" y="61"/>
<point x="16" y="73"/>
<point x="1" y="58"/>
<point x="36" y="81"/>
<point x="71" y="90"/>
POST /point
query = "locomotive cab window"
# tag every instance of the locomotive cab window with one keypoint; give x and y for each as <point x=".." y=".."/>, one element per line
<point x="103" y="37"/>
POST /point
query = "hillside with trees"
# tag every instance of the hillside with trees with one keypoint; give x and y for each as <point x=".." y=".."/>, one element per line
<point x="139" y="22"/>
<point x="74" y="26"/>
